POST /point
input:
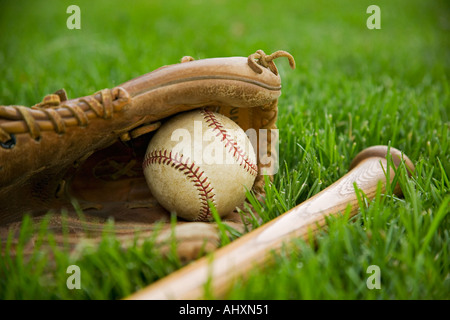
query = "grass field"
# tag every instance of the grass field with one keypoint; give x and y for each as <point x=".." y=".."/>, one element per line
<point x="352" y="88"/>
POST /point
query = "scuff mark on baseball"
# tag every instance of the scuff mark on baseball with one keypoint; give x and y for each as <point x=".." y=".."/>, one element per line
<point x="199" y="157"/>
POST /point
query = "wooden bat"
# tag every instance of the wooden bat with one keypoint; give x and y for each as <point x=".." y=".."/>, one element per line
<point x="255" y="248"/>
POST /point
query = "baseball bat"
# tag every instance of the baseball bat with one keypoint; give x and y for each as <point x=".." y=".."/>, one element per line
<point x="256" y="247"/>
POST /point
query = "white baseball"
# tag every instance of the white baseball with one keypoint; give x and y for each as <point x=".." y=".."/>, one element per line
<point x="197" y="157"/>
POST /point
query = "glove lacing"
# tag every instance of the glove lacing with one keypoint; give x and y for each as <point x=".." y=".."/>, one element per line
<point x="54" y="113"/>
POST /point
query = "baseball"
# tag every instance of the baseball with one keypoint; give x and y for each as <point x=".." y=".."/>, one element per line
<point x="199" y="157"/>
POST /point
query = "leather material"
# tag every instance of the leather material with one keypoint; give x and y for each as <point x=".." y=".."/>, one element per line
<point x="86" y="154"/>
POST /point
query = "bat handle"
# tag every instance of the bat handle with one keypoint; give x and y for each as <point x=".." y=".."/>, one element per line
<point x="234" y="260"/>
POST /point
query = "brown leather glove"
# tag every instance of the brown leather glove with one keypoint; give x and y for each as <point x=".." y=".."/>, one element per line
<point x="86" y="153"/>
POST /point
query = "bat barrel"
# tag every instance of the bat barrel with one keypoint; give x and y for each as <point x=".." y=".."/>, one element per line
<point x="382" y="152"/>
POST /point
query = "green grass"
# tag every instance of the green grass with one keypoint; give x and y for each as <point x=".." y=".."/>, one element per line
<point x="353" y="88"/>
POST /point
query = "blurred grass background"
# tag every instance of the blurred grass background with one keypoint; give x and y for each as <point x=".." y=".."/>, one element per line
<point x="352" y="88"/>
<point x="329" y="40"/>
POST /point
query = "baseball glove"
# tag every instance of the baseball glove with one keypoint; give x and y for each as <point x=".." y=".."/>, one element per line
<point x="85" y="154"/>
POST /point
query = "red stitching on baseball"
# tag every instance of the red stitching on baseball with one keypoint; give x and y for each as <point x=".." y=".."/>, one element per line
<point x="238" y="153"/>
<point x="203" y="186"/>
